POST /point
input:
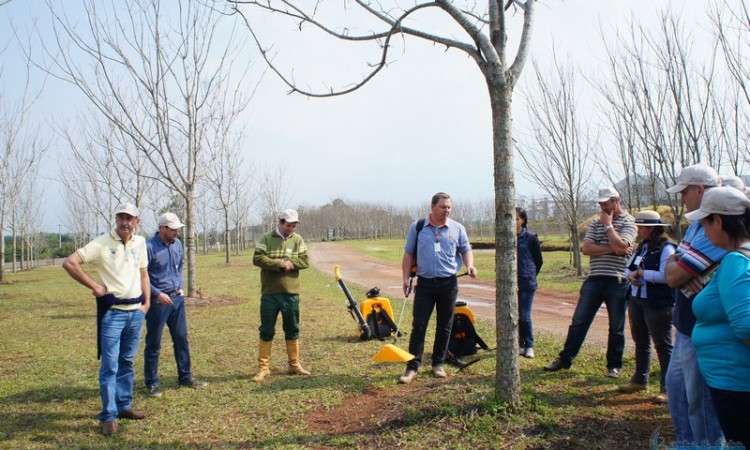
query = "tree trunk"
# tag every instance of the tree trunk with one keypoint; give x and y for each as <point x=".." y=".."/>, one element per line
<point x="239" y="240"/>
<point x="507" y="376"/>
<point x="576" y="250"/>
<point x="14" y="240"/>
<point x="2" y="248"/>
<point x="190" y="241"/>
<point x="227" y="237"/>
<point x="22" y="259"/>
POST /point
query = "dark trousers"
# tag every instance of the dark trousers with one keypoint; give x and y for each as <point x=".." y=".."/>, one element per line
<point x="440" y="295"/>
<point x="175" y="318"/>
<point x="270" y="307"/>
<point x="732" y="410"/>
<point x="648" y="324"/>
<point x="525" y="330"/>
<point x="595" y="291"/>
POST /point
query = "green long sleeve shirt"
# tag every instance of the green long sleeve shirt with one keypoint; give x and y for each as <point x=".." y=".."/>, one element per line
<point x="269" y="252"/>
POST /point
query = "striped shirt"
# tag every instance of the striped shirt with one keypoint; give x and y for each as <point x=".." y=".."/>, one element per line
<point x="610" y="265"/>
<point x="697" y="255"/>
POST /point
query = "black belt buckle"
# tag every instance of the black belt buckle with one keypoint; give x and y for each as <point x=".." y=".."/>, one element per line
<point x="172" y="293"/>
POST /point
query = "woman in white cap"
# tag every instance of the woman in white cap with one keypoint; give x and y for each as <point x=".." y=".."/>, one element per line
<point x="651" y="301"/>
<point x="722" y="309"/>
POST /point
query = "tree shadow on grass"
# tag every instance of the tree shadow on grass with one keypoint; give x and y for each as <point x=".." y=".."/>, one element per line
<point x="50" y="395"/>
<point x="29" y="411"/>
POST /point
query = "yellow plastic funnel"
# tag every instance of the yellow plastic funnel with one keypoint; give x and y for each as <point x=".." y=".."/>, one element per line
<point x="391" y="353"/>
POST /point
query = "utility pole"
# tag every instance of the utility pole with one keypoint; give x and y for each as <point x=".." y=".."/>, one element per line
<point x="59" y="236"/>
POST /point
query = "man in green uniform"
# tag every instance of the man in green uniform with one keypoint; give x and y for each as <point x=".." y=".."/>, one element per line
<point x="280" y="254"/>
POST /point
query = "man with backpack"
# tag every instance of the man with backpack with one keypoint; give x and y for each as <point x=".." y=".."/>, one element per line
<point x="439" y="246"/>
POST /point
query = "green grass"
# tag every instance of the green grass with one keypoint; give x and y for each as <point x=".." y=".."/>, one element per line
<point x="49" y="391"/>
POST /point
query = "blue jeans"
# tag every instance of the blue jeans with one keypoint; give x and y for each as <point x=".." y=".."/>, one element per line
<point x="596" y="290"/>
<point x="174" y="317"/>
<point x="120" y="336"/>
<point x="439" y="295"/>
<point x="525" y="330"/>
<point x="690" y="406"/>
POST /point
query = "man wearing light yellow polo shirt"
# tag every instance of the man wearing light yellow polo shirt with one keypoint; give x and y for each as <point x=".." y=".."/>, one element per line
<point x="122" y="299"/>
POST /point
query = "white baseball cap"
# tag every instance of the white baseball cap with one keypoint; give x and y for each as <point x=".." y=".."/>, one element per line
<point x="289" y="215"/>
<point x="733" y="181"/>
<point x="723" y="200"/>
<point x="127" y="208"/>
<point x="606" y="193"/>
<point x="170" y="220"/>
<point x="695" y="175"/>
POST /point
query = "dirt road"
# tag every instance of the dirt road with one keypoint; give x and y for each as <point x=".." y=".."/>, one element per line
<point x="551" y="311"/>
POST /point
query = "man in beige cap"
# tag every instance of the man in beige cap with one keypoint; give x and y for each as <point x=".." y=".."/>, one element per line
<point x="122" y="300"/>
<point x="165" y="270"/>
<point x="280" y="254"/>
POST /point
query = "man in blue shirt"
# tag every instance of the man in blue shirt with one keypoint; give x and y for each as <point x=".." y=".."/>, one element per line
<point x="440" y="250"/>
<point x="693" y="415"/>
<point x="165" y="262"/>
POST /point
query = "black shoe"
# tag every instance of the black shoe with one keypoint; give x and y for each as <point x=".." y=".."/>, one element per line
<point x="154" y="391"/>
<point x="194" y="384"/>
<point x="556" y="365"/>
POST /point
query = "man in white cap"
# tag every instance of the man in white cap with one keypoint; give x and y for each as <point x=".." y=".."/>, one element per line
<point x="280" y="254"/>
<point x="608" y="241"/>
<point x="165" y="270"/>
<point x="690" y="405"/>
<point x="122" y="300"/>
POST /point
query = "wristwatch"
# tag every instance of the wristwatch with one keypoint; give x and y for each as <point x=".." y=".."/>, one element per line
<point x="607" y="228"/>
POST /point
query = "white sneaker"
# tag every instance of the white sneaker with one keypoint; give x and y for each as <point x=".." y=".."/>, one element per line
<point x="521" y="351"/>
<point x="407" y="376"/>
<point x="529" y="353"/>
<point x="439" y="372"/>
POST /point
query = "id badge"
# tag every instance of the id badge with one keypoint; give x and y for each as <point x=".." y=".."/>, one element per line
<point x="437" y="247"/>
<point x="638" y="260"/>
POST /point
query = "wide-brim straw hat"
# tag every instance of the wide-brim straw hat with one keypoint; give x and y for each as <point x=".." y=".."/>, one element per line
<point x="649" y="219"/>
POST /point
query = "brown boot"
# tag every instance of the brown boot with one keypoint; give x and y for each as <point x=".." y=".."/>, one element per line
<point x="264" y="356"/>
<point x="292" y="349"/>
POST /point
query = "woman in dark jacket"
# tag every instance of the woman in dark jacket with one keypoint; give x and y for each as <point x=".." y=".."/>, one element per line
<point x="529" y="264"/>
<point x="651" y="301"/>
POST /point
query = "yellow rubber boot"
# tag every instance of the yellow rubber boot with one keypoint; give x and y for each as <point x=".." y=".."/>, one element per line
<point x="264" y="356"/>
<point x="292" y="349"/>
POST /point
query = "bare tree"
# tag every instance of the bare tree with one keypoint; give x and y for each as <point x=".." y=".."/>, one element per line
<point x="163" y="75"/>
<point x="228" y="180"/>
<point x="731" y="24"/>
<point x="273" y="194"/>
<point x="27" y="217"/>
<point x="103" y="168"/>
<point x="559" y="154"/>
<point x="484" y="39"/>
<point x="22" y="148"/>
<point x="659" y="90"/>
<point x="243" y="199"/>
